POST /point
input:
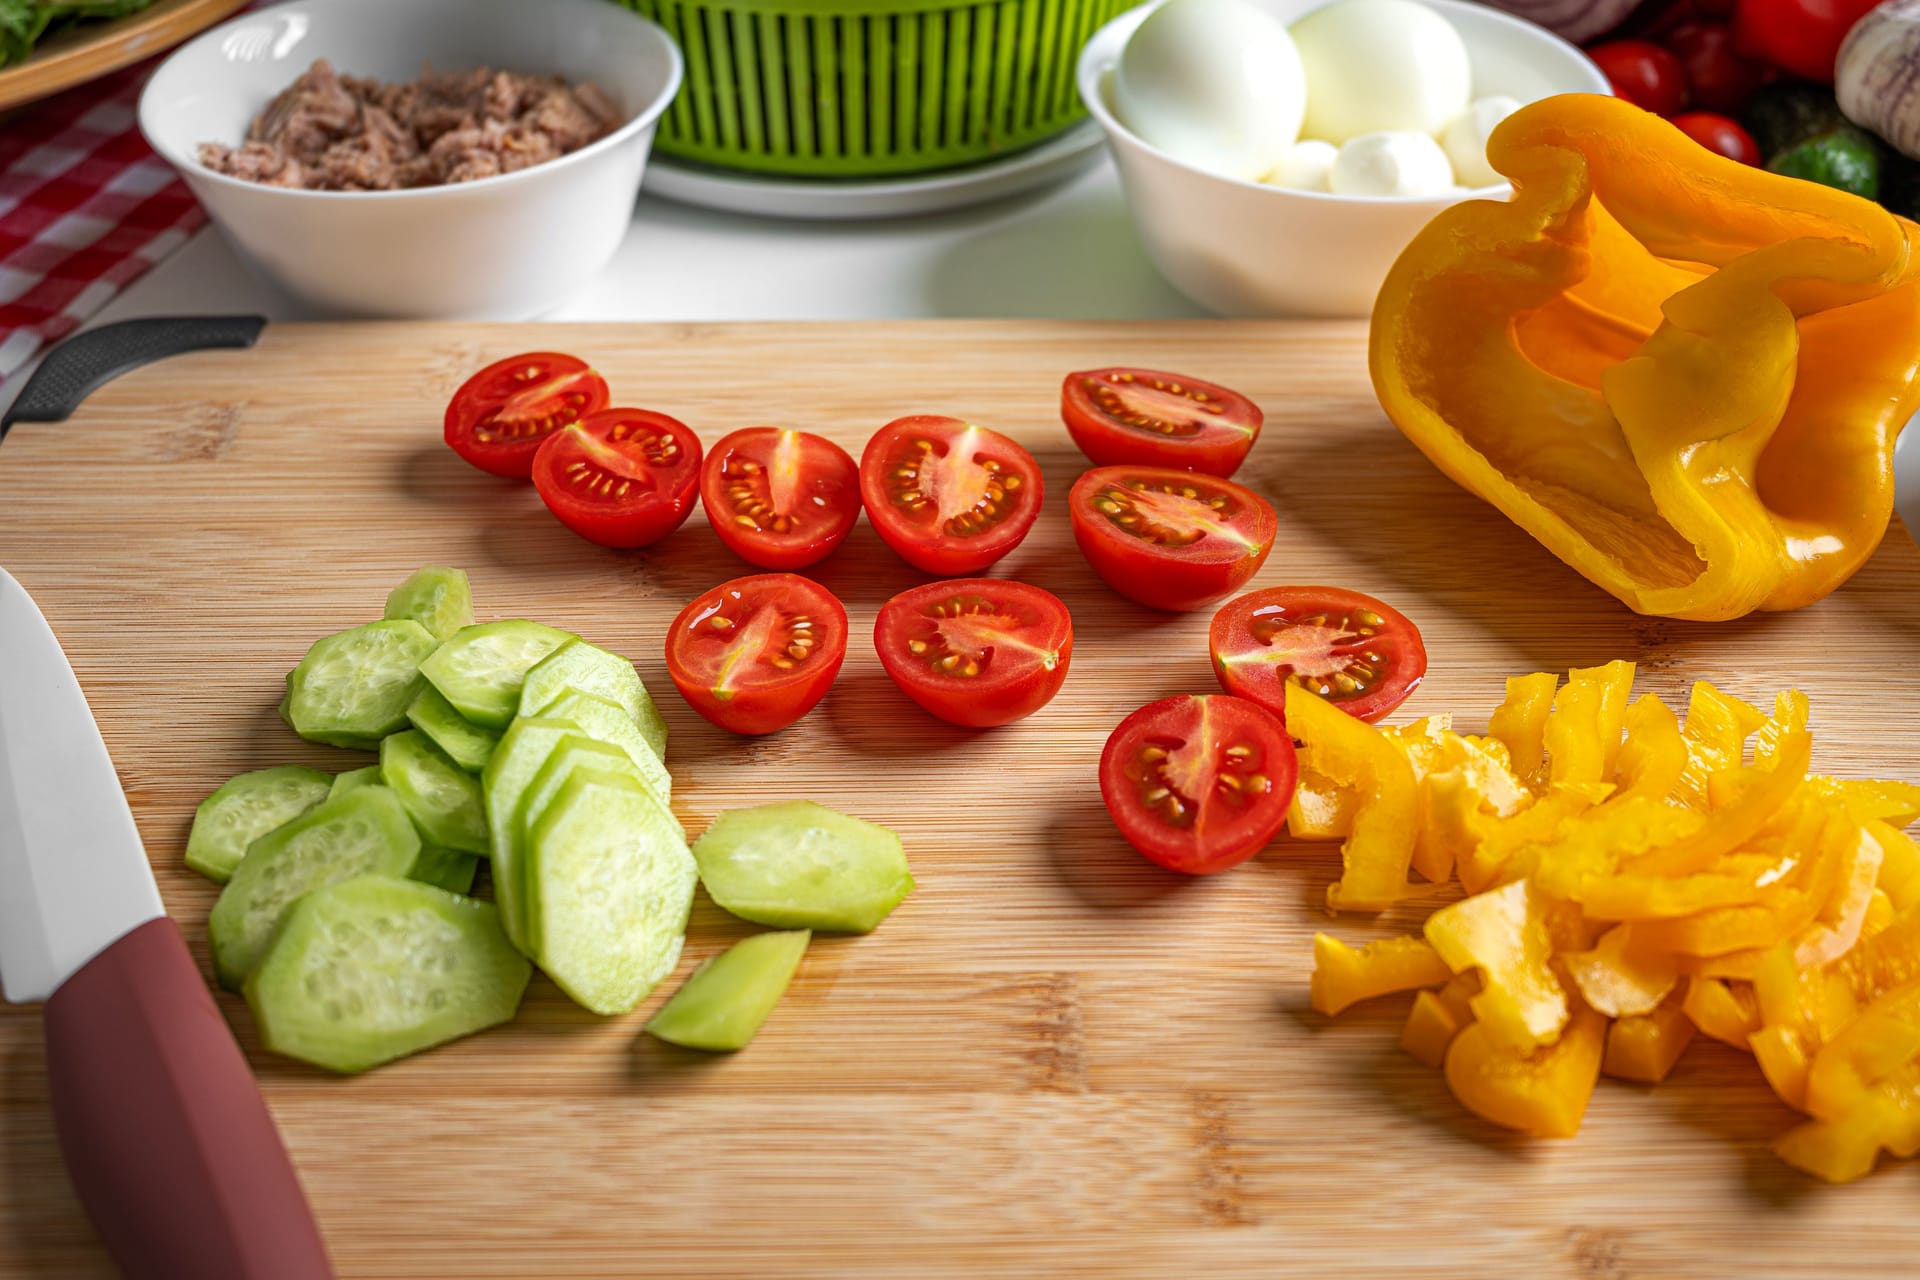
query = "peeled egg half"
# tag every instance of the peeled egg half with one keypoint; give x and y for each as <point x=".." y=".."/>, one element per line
<point x="1216" y="83"/>
<point x="1376" y="66"/>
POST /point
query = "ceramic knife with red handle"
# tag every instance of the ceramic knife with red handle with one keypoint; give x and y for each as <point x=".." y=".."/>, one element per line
<point x="166" y="1136"/>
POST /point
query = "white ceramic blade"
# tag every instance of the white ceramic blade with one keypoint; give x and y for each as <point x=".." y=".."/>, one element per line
<point x="73" y="875"/>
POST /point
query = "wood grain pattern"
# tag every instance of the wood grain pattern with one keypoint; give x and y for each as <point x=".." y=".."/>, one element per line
<point x="1054" y="1058"/>
<point x="92" y="49"/>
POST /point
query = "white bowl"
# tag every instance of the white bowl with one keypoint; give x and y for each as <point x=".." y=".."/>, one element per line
<point x="497" y="248"/>
<point x="1247" y="249"/>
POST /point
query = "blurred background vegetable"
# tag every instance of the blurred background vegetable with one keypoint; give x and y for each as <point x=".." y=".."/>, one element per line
<point x="1874" y="80"/>
<point x="24" y="22"/>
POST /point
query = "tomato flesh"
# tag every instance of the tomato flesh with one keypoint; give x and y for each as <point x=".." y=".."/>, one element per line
<point x="948" y="496"/>
<point x="1199" y="784"/>
<point x="499" y="417"/>
<point x="1359" y="653"/>
<point x="1140" y="417"/>
<point x="620" y="477"/>
<point x="977" y="652"/>
<point x="780" y="499"/>
<point x="755" y="654"/>
<point x="1172" y="540"/>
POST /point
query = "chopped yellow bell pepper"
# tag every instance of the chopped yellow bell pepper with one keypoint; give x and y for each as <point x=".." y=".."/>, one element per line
<point x="1344" y="975"/>
<point x="1321" y="809"/>
<point x="1583" y="733"/>
<point x="1654" y="754"/>
<point x="1619" y="980"/>
<point x="1543" y="1091"/>
<point x="1436" y="1017"/>
<point x="1520" y="723"/>
<point x="1899" y="864"/>
<point x="1843" y="1149"/>
<point x="1884" y="1038"/>
<point x="1358" y="757"/>
<point x="1718" y="726"/>
<point x="1727" y="1013"/>
<point x="1645" y="1046"/>
<point x="1506" y="935"/>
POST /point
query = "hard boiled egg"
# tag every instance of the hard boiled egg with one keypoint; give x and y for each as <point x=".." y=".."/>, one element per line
<point x="1216" y="83"/>
<point x="1378" y="66"/>
<point x="1396" y="163"/>
<point x="1307" y="166"/>
<point x="1465" y="139"/>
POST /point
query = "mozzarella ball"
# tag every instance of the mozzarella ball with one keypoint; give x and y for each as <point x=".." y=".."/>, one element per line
<point x="1465" y="139"/>
<point x="1307" y="166"/>
<point x="1399" y="163"/>
<point x="1380" y="65"/>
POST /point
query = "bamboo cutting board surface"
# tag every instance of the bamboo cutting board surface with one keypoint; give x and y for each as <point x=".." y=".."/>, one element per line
<point x="1054" y="1058"/>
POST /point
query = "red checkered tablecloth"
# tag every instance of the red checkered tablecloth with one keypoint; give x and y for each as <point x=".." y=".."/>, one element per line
<point x="85" y="209"/>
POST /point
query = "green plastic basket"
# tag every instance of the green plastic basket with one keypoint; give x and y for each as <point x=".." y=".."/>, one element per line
<point x="862" y="88"/>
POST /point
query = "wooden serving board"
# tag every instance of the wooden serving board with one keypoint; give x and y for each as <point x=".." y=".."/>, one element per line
<point x="1054" y="1058"/>
<point x="88" y="50"/>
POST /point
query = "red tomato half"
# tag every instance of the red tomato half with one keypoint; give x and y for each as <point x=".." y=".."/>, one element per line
<point x="1719" y="135"/>
<point x="977" y="652"/>
<point x="1643" y="73"/>
<point x="780" y="499"/>
<point x="1801" y="36"/>
<point x="1198" y="784"/>
<point x="755" y="654"/>
<point x="1358" y="653"/>
<point x="949" y="497"/>
<point x="1170" y="539"/>
<point x="499" y="417"/>
<point x="621" y="477"/>
<point x="1153" y="419"/>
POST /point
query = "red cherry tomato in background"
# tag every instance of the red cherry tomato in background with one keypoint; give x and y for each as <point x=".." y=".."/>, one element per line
<point x="1801" y="36"/>
<point x="949" y="497"/>
<point x="620" y="477"/>
<point x="1360" y="654"/>
<point x="1643" y="73"/>
<point x="780" y="499"/>
<point x="1120" y="416"/>
<point x="976" y="652"/>
<point x="1715" y="8"/>
<point x="755" y="654"/>
<point x="1717" y="76"/>
<point x="1171" y="540"/>
<point x="499" y="417"/>
<point x="1199" y="784"/>
<point x="1719" y="135"/>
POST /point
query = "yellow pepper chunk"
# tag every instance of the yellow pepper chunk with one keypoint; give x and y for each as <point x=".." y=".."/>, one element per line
<point x="1899" y="864"/>
<point x="1619" y="980"/>
<point x="1583" y="734"/>
<point x="1357" y="756"/>
<point x="1644" y="1047"/>
<point x="1321" y="809"/>
<point x="1505" y="934"/>
<point x="1718" y="726"/>
<point x="1543" y="1091"/>
<point x="1727" y="1013"/>
<point x="1844" y="1149"/>
<point x="1654" y="755"/>
<point x="1430" y="1027"/>
<point x="1882" y="1040"/>
<point x="1520" y="723"/>
<point x="1344" y="975"/>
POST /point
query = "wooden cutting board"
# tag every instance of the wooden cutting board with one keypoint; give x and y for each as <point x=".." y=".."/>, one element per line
<point x="1054" y="1058"/>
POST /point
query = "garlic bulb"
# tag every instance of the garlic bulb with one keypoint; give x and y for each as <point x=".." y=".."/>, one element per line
<point x="1877" y="78"/>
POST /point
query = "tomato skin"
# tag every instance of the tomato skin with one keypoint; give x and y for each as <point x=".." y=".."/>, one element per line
<point x="1249" y="663"/>
<point x="1718" y="78"/>
<point x="552" y="390"/>
<point x="1173" y="578"/>
<point x="659" y="454"/>
<point x="1801" y="36"/>
<point x="819" y="479"/>
<point x="1719" y="135"/>
<point x="927" y="539"/>
<point x="1229" y="765"/>
<point x="1213" y="436"/>
<point x="1643" y="73"/>
<point x="765" y="698"/>
<point x="1020" y="669"/>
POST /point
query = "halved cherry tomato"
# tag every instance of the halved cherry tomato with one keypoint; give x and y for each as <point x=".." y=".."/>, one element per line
<point x="949" y="497"/>
<point x="1199" y="784"/>
<point x="1360" y="654"/>
<point x="780" y="499"/>
<point x="755" y="654"/>
<point x="977" y="652"/>
<point x="620" y="477"/>
<point x="499" y="417"/>
<point x="1170" y="539"/>
<point x="1153" y="419"/>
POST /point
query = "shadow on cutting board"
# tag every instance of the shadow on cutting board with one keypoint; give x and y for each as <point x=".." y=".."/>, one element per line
<point x="49" y="1228"/>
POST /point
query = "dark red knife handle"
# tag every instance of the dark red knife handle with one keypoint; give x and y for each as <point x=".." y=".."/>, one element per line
<point x="166" y="1136"/>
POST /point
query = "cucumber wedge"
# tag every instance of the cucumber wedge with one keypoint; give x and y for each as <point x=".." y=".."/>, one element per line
<point x="364" y="830"/>
<point x="354" y="779"/>
<point x="584" y="668"/>
<point x="445" y="868"/>
<point x="441" y="600"/>
<point x="723" y="1004"/>
<point x="471" y="745"/>
<point x="600" y="719"/>
<point x="798" y="865"/>
<point x="356" y="685"/>
<point x="610" y="887"/>
<point x="372" y="969"/>
<point x="571" y="753"/>
<point x="480" y="669"/>
<point x="442" y="798"/>
<point x="245" y="808"/>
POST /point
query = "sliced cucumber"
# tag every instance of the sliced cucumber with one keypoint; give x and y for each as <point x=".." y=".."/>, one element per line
<point x="356" y="685"/>
<point x="524" y="748"/>
<point x="610" y="886"/>
<point x="372" y="969"/>
<point x="245" y="808"/>
<point x="573" y="752"/>
<point x="442" y="798"/>
<point x="445" y="868"/>
<point x="441" y="600"/>
<point x="354" y="779"/>
<point x="480" y="669"/>
<point x="723" y="1004"/>
<point x="598" y="718"/>
<point x="584" y="668"/>
<point x="364" y="830"/>
<point x="471" y="745"/>
<point x="798" y="865"/>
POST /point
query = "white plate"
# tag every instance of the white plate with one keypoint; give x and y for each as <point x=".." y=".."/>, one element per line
<point x="845" y="198"/>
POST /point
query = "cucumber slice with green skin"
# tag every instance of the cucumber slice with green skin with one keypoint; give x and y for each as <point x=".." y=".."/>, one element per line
<point x="480" y="669"/>
<point x="610" y="887"/>
<point x="523" y="749"/>
<point x="799" y="865"/>
<point x="354" y="779"/>
<point x="723" y="1004"/>
<point x="581" y="667"/>
<point x="348" y="741"/>
<point x="363" y="831"/>
<point x="245" y="808"/>
<point x="602" y="720"/>
<point x="439" y="599"/>
<point x="356" y="685"/>
<point x="373" y="968"/>
<point x="444" y="868"/>
<point x="573" y="752"/>
<point x="470" y="745"/>
<point x="442" y="798"/>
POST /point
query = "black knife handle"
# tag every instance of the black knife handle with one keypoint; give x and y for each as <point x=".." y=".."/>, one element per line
<point x="72" y="371"/>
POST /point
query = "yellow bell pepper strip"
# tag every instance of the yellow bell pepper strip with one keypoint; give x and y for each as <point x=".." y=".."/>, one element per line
<point x="1495" y="841"/>
<point x="1582" y="736"/>
<point x="1698" y="445"/>
<point x="1884" y="1038"/>
<point x="1654" y="754"/>
<point x="1718" y="726"/>
<point x="1506" y="934"/>
<point x="1899" y="864"/>
<point x="1783" y="1060"/>
<point x="1870" y="800"/>
<point x="1357" y="756"/>
<point x="1344" y="975"/>
<point x="1520" y="722"/>
<point x="1452" y="774"/>
<point x="1723" y="1011"/>
<point x="1736" y="878"/>
<point x="1320" y="809"/>
<point x="1644" y="1047"/>
<point x="1845" y="1149"/>
<point x="1436" y="1018"/>
<point x="1619" y="979"/>
<point x="1838" y="924"/>
<point x="1542" y="1091"/>
<point x="1889" y="959"/>
<point x="1880" y="914"/>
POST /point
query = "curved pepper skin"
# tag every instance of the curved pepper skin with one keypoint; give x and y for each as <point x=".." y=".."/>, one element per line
<point x="1681" y="374"/>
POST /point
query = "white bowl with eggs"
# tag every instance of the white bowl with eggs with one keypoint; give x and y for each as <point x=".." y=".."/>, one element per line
<point x="1224" y="101"/>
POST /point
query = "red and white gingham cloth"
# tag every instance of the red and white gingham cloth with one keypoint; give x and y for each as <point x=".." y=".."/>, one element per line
<point x="86" y="208"/>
